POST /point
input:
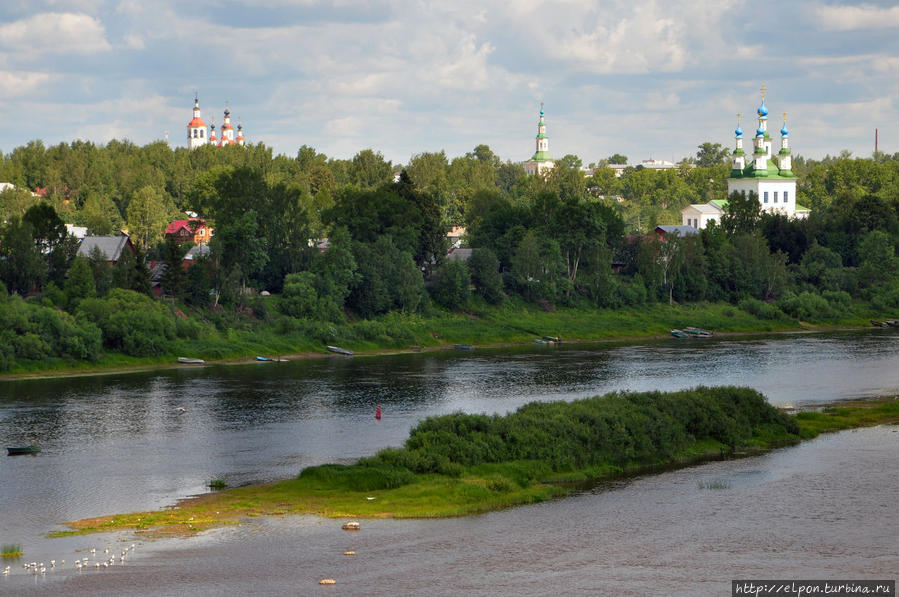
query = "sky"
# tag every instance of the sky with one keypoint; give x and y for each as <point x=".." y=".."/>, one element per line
<point x="643" y="78"/>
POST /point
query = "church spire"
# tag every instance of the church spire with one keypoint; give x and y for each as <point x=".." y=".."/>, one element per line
<point x="784" y="158"/>
<point x="739" y="154"/>
<point x="196" y="128"/>
<point x="541" y="161"/>
<point x="542" y="153"/>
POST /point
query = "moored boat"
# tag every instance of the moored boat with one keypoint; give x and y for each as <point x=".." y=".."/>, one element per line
<point x="679" y="334"/>
<point x="698" y="332"/>
<point x="463" y="346"/>
<point x="190" y="361"/>
<point x="18" y="450"/>
<point x="339" y="350"/>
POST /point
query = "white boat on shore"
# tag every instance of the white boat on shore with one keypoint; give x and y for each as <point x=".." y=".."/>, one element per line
<point x="190" y="361"/>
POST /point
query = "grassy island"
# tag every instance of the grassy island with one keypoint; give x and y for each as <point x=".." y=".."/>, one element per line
<point x="461" y="464"/>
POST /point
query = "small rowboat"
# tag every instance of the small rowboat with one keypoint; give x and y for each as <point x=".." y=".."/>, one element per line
<point x="679" y="334"/>
<point x="339" y="350"/>
<point x="463" y="346"/>
<point x="698" y="332"/>
<point x="190" y="361"/>
<point x="18" y="450"/>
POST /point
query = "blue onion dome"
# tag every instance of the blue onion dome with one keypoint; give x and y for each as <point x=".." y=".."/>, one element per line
<point x="763" y="109"/>
<point x="760" y="132"/>
<point x="541" y="111"/>
<point x="739" y="131"/>
<point x="784" y="132"/>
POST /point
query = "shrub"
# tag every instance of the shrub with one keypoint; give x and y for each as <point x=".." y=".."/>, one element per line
<point x="761" y="309"/>
<point x="139" y="333"/>
<point x="188" y="329"/>
<point x="617" y="429"/>
<point x="808" y="306"/>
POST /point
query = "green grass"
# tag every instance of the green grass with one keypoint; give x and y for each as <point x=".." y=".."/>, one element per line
<point x="854" y="414"/>
<point x="11" y="551"/>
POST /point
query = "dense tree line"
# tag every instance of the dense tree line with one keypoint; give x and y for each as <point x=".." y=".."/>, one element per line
<point x="340" y="240"/>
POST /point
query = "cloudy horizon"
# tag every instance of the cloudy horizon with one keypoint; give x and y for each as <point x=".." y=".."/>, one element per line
<point x="642" y="78"/>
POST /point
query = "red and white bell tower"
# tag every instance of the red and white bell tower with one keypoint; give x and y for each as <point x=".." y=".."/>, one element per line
<point x="196" y="128"/>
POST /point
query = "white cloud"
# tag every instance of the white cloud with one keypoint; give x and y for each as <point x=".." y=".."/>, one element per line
<point x="849" y="18"/>
<point x="60" y="33"/>
<point x="622" y="37"/>
<point x="20" y="84"/>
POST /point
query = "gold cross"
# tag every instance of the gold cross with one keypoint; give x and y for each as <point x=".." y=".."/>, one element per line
<point x="764" y="89"/>
<point x="785" y="119"/>
<point x="739" y="115"/>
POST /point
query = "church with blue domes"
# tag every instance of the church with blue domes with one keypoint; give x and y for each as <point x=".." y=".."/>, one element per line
<point x="762" y="172"/>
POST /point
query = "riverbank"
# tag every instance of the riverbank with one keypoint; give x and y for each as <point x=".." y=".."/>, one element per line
<point x="487" y="486"/>
<point x="515" y="323"/>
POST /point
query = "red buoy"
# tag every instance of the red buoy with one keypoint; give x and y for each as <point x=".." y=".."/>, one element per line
<point x="378" y="413"/>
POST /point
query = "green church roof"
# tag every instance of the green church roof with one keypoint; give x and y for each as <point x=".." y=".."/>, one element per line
<point x="542" y="156"/>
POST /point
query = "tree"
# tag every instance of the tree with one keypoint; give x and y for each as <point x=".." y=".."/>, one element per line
<point x="174" y="278"/>
<point x="571" y="161"/>
<point x="242" y="248"/>
<point x="47" y="227"/>
<point x="80" y="283"/>
<point x="147" y="217"/>
<point x="450" y="290"/>
<point x="483" y="153"/>
<point x="484" y="269"/>
<point x="617" y="158"/>
<point x="130" y="273"/>
<point x="22" y="267"/>
<point x="369" y="169"/>
<point x="711" y="154"/>
<point x="741" y="214"/>
<point x="101" y="216"/>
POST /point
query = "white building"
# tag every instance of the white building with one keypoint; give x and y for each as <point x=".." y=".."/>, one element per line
<point x="197" y="134"/>
<point x="769" y="176"/>
<point x="541" y="162"/>
<point x="699" y="216"/>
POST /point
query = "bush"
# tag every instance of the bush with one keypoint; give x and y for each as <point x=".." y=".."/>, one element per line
<point x="618" y="429"/>
<point x="808" y="306"/>
<point x="138" y="333"/>
<point x="761" y="309"/>
<point x="632" y="294"/>
<point x="188" y="328"/>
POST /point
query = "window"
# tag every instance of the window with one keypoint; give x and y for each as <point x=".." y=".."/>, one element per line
<point x="766" y="196"/>
<point x="785" y="196"/>
<point x="202" y="133"/>
<point x="775" y="196"/>
<point x="195" y="133"/>
<point x="744" y="192"/>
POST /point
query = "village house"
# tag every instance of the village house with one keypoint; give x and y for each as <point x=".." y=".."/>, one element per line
<point x="193" y="230"/>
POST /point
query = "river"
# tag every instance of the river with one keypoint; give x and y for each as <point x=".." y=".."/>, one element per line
<point x="122" y="442"/>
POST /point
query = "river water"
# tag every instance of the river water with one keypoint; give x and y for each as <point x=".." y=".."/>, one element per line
<point x="119" y="443"/>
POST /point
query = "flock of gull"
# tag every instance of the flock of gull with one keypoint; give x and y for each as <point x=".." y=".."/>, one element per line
<point x="109" y="558"/>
